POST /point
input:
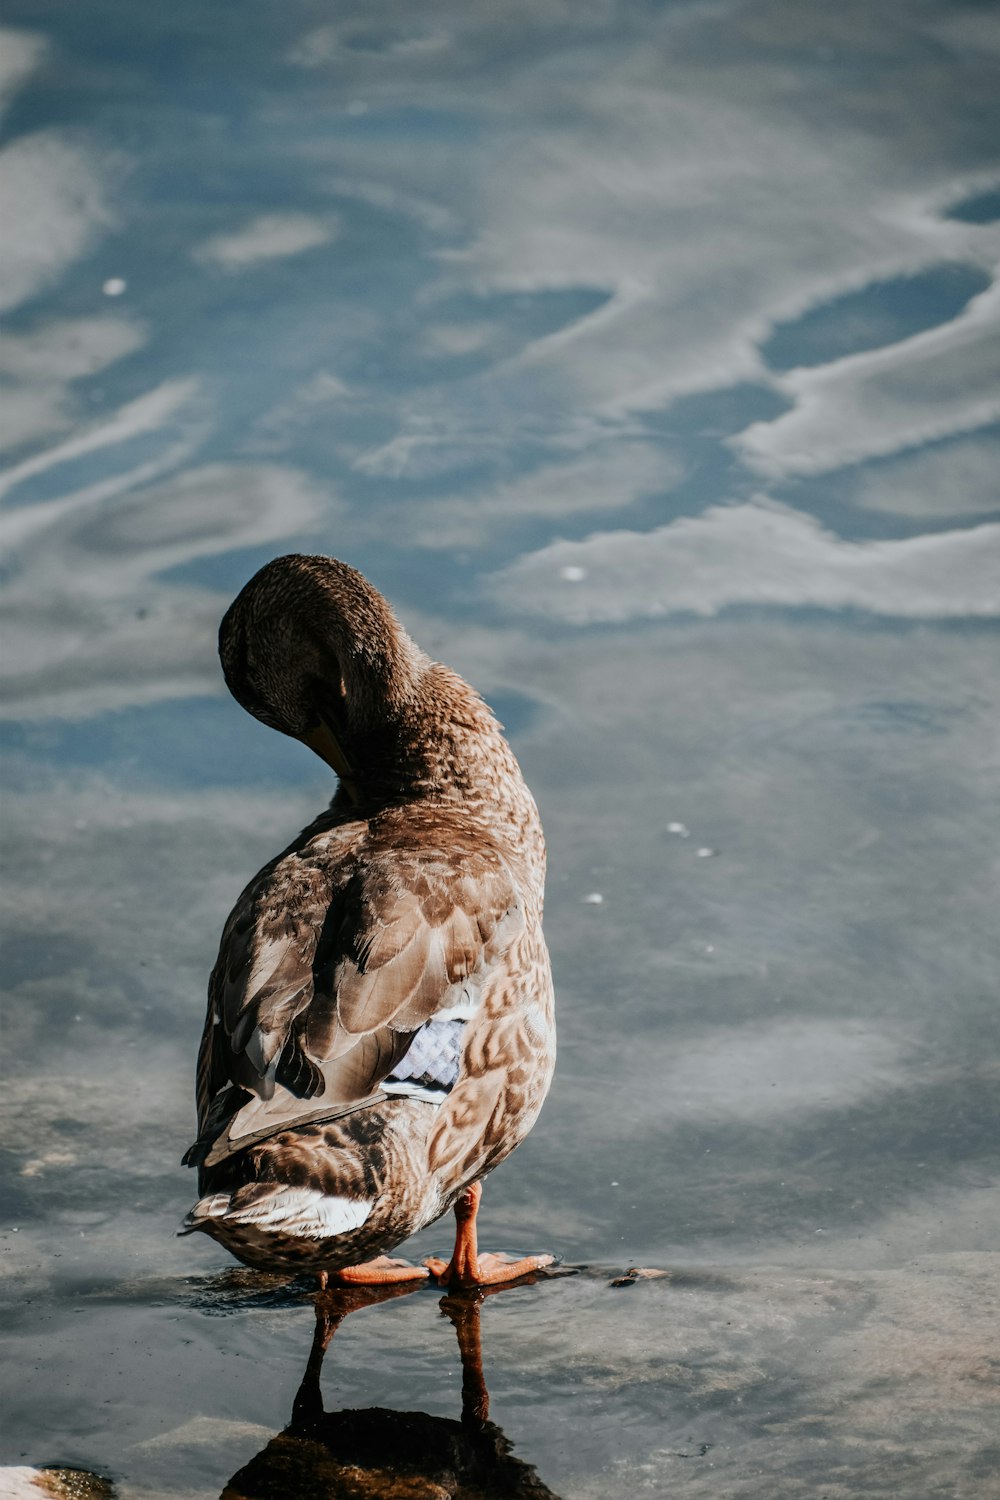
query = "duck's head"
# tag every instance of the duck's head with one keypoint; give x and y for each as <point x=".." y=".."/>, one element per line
<point x="309" y="647"/>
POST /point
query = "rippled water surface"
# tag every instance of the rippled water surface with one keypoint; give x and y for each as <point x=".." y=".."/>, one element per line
<point x="647" y="356"/>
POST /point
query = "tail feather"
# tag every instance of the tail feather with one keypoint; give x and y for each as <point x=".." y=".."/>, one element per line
<point x="306" y="1213"/>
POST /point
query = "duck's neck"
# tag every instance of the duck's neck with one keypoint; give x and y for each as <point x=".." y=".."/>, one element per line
<point x="446" y="747"/>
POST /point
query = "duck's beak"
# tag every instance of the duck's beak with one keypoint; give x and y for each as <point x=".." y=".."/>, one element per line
<point x="324" y="742"/>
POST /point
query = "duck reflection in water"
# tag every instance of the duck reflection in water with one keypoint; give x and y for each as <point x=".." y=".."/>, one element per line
<point x="377" y="1454"/>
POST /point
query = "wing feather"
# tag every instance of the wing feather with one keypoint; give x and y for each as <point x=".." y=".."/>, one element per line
<point x="335" y="956"/>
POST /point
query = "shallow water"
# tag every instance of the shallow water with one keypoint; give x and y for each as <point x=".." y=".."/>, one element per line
<point x="647" y="357"/>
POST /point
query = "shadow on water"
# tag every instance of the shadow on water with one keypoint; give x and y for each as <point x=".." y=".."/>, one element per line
<point x="386" y="1454"/>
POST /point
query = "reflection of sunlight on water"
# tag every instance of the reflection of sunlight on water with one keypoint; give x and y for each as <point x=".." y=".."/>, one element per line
<point x="92" y="627"/>
<point x="520" y="317"/>
<point x="759" y="553"/>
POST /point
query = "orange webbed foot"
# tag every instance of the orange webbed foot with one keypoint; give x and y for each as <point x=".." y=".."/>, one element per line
<point x="378" y="1272"/>
<point x="486" y="1270"/>
<point x="467" y="1268"/>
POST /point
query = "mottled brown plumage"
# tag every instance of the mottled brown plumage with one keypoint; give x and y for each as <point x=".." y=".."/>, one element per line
<point x="379" y="1030"/>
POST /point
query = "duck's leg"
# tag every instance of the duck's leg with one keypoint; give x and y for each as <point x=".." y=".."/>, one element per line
<point x="467" y="1267"/>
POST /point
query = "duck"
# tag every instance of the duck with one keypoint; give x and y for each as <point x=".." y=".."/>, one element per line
<point x="380" y="1031"/>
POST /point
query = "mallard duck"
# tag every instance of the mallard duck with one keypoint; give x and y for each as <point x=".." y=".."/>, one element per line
<point x="380" y="1017"/>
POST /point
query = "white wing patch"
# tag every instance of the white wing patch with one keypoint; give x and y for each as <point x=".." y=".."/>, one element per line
<point x="430" y="1066"/>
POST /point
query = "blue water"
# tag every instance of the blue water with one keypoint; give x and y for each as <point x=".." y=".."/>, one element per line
<point x="646" y="357"/>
